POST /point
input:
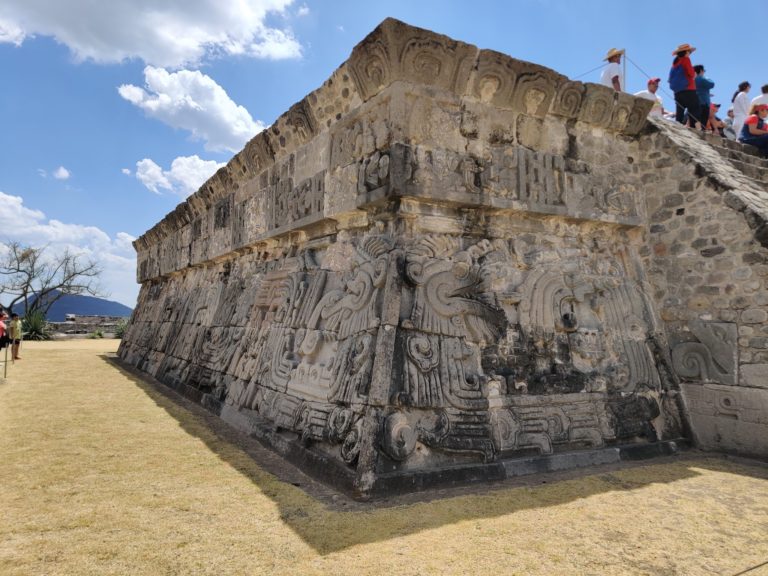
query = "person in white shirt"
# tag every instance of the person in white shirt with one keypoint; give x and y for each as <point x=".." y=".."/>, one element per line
<point x="650" y="94"/>
<point x="612" y="75"/>
<point x="741" y="106"/>
<point x="763" y="98"/>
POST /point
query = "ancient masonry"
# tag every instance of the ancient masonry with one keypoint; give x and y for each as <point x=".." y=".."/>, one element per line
<point x="446" y="264"/>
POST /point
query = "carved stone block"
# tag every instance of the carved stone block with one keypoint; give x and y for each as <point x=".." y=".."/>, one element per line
<point x="710" y="358"/>
<point x="597" y="107"/>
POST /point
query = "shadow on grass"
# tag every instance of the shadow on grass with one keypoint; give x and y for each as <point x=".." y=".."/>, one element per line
<point x="330" y="522"/>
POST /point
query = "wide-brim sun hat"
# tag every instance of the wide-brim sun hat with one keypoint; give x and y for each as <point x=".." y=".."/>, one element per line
<point x="614" y="52"/>
<point x="684" y="48"/>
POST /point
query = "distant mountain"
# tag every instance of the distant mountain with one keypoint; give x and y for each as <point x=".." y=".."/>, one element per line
<point x="84" y="306"/>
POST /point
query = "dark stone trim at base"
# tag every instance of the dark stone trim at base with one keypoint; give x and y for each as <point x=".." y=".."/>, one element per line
<point x="326" y="469"/>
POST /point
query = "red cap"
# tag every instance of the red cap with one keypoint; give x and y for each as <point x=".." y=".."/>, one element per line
<point x="761" y="107"/>
<point x="654" y="80"/>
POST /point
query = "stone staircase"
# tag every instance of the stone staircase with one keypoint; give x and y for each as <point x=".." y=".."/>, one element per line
<point x="737" y="170"/>
<point x="745" y="158"/>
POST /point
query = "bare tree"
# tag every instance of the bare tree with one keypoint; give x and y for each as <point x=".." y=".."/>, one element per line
<point x="35" y="279"/>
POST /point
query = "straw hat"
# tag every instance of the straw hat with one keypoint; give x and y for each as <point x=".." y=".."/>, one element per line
<point x="683" y="48"/>
<point x="613" y="52"/>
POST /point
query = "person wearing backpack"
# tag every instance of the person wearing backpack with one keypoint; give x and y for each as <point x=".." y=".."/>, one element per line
<point x="682" y="82"/>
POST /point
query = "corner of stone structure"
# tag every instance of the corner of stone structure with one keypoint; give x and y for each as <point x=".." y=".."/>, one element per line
<point x="446" y="265"/>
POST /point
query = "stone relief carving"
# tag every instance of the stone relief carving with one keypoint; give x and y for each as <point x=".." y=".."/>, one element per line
<point x="622" y="110"/>
<point x="555" y="420"/>
<point x="712" y="358"/>
<point x="495" y="78"/>
<point x="514" y="173"/>
<point x="257" y="155"/>
<point x="468" y="303"/>
<point x="567" y="101"/>
<point x="597" y="107"/>
<point x="535" y="91"/>
<point x="292" y="129"/>
<point x="288" y="205"/>
<point x="370" y="64"/>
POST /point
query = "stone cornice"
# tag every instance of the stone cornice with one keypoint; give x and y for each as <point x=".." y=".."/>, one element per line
<point x="395" y="52"/>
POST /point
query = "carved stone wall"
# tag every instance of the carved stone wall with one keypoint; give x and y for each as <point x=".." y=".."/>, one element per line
<point x="444" y="258"/>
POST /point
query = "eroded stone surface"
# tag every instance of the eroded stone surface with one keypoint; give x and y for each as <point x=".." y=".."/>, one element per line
<point x="446" y="256"/>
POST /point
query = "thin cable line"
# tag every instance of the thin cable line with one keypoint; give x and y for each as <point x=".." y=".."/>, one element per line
<point x="588" y="72"/>
<point x="644" y="73"/>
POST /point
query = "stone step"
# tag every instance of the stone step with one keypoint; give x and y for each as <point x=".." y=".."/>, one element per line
<point x="731" y="154"/>
<point x="751" y="171"/>
<point x="721" y="142"/>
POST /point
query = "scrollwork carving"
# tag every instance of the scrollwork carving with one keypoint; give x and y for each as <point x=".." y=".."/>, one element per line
<point x="370" y="64"/>
<point x="399" y="436"/>
<point x="713" y="358"/>
<point x="567" y="101"/>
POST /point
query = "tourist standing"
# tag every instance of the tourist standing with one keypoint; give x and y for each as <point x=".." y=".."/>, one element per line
<point x="15" y="333"/>
<point x="682" y="81"/>
<point x="612" y="75"/>
<point x="650" y="94"/>
<point x="755" y="130"/>
<point x="741" y="106"/>
<point x="703" y="86"/>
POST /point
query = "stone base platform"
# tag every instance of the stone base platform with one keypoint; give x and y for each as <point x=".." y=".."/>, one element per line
<point x="328" y="469"/>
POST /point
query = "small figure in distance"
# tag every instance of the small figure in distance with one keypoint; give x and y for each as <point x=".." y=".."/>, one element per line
<point x="612" y="75"/>
<point x="4" y="339"/>
<point x="682" y="82"/>
<point x="755" y="129"/>
<point x="650" y="94"/>
<point x="703" y="86"/>
<point x="741" y="106"/>
<point x="728" y="130"/>
<point x="16" y="334"/>
<point x="763" y="98"/>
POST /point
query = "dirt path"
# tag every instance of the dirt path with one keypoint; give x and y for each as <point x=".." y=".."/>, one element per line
<point x="102" y="473"/>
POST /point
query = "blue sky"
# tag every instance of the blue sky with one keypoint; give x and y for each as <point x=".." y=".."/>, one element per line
<point x="111" y="113"/>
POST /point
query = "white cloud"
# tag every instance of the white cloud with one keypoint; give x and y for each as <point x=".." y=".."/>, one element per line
<point x="151" y="175"/>
<point x="42" y="173"/>
<point x="172" y="33"/>
<point x="186" y="175"/>
<point x="190" y="100"/>
<point x="126" y="171"/>
<point x="10" y="33"/>
<point x="116" y="256"/>
<point x="302" y="11"/>
<point x="61" y="173"/>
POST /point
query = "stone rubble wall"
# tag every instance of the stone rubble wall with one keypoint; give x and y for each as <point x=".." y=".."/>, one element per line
<point x="707" y="258"/>
<point x="446" y="256"/>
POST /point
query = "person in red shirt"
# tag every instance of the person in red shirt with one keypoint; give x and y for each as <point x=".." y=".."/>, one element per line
<point x="3" y="318"/>
<point x="682" y="81"/>
<point x="755" y="129"/>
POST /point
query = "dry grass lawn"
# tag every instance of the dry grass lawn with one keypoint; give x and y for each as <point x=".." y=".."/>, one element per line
<point x="101" y="473"/>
